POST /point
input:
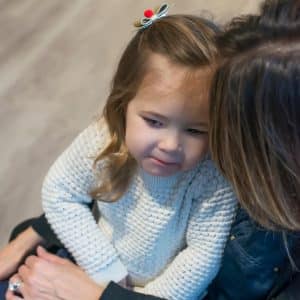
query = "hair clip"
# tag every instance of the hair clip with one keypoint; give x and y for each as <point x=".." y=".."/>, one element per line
<point x="150" y="16"/>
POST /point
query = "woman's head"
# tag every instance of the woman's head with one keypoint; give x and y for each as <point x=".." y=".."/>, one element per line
<point x="184" y="41"/>
<point x="278" y="19"/>
<point x="255" y="129"/>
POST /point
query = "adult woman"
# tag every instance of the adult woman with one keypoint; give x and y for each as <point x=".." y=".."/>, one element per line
<point x="252" y="141"/>
<point x="252" y="102"/>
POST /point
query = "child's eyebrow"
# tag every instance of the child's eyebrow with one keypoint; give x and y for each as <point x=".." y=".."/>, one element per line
<point x="154" y="114"/>
<point x="199" y="124"/>
<point x="162" y="117"/>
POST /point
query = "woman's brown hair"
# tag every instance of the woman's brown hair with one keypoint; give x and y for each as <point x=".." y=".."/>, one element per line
<point x="255" y="109"/>
<point x="255" y="130"/>
<point x="185" y="40"/>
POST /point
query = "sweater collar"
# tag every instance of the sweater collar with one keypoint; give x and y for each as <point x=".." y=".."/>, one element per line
<point x="159" y="181"/>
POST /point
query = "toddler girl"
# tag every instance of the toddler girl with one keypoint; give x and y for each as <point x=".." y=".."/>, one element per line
<point x="165" y="211"/>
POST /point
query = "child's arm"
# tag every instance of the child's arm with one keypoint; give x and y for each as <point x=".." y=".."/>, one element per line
<point x="65" y="201"/>
<point x="191" y="271"/>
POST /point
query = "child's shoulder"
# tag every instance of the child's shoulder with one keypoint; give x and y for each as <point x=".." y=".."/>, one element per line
<point x="94" y="137"/>
<point x="207" y="169"/>
<point x="96" y="130"/>
<point x="208" y="177"/>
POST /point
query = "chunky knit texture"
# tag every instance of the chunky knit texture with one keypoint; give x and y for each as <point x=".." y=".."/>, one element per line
<point x="166" y="233"/>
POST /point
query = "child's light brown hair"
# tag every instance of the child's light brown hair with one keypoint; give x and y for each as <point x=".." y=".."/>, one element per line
<point x="185" y="40"/>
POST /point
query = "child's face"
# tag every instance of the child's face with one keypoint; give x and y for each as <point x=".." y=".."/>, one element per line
<point x="167" y="122"/>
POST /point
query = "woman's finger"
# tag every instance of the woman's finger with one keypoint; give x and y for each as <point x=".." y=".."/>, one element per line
<point x="37" y="281"/>
<point x="31" y="260"/>
<point x="23" y="272"/>
<point x="11" y="296"/>
<point x="42" y="253"/>
<point x="16" y="285"/>
<point x="14" y="282"/>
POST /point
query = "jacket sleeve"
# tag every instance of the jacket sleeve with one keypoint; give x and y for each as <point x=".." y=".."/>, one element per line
<point x="191" y="271"/>
<point x="41" y="226"/>
<point x="116" y="292"/>
<point x="66" y="201"/>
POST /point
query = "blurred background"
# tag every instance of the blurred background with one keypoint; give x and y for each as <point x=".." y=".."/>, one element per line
<point x="56" y="61"/>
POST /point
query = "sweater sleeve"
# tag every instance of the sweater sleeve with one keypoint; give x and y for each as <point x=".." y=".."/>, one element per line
<point x="66" y="200"/>
<point x="41" y="226"/>
<point x="211" y="216"/>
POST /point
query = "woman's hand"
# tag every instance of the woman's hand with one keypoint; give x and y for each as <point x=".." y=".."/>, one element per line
<point x="11" y="256"/>
<point x="49" y="277"/>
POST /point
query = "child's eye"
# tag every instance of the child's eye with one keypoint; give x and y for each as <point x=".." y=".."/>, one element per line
<point x="194" y="131"/>
<point x="153" y="122"/>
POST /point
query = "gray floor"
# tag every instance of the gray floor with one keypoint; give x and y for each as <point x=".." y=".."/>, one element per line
<point x="56" y="61"/>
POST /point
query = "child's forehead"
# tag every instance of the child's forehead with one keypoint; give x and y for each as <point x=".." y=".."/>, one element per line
<point x="175" y="89"/>
<point x="164" y="76"/>
<point x="161" y="66"/>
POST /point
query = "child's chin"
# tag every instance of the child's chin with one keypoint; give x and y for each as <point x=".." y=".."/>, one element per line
<point x="160" y="173"/>
<point x="156" y="168"/>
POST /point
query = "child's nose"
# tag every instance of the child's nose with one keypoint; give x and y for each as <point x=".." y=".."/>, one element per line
<point x="170" y="143"/>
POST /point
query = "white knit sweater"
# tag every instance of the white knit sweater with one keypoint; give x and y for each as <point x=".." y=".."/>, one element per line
<point x="166" y="233"/>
